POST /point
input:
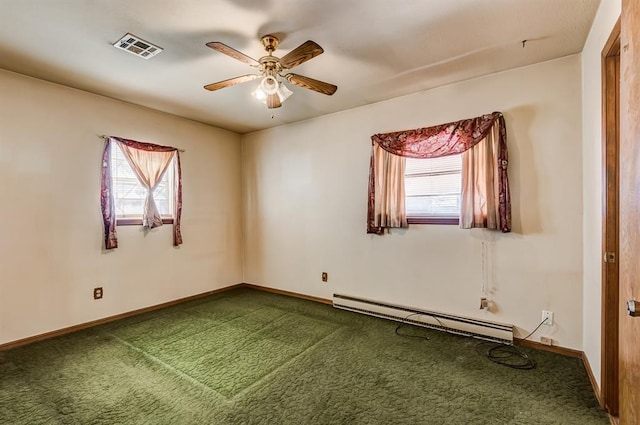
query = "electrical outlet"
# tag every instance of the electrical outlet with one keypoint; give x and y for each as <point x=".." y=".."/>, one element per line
<point x="546" y="340"/>
<point x="547" y="318"/>
<point x="325" y="276"/>
<point x="97" y="293"/>
<point x="484" y="303"/>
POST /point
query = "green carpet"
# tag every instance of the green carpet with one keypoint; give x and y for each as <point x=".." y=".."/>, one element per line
<point x="250" y="357"/>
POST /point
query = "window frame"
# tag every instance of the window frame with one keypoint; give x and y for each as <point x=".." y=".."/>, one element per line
<point x="438" y="220"/>
<point x="138" y="221"/>
<point x="434" y="220"/>
<point x="134" y="221"/>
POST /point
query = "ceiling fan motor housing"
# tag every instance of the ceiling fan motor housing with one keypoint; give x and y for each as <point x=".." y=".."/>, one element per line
<point x="270" y="42"/>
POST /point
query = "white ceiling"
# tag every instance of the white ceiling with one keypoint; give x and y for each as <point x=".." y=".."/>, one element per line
<point x="374" y="49"/>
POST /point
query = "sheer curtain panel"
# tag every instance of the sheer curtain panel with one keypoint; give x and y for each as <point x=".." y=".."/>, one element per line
<point x="480" y="200"/>
<point x="389" y="190"/>
<point x="149" y="167"/>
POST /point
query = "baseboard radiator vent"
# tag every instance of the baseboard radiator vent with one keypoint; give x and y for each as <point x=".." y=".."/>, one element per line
<point x="481" y="329"/>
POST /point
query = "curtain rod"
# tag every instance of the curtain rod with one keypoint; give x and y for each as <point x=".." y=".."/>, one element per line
<point x="103" y="137"/>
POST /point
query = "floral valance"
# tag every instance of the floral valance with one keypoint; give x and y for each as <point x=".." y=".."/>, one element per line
<point x="440" y="140"/>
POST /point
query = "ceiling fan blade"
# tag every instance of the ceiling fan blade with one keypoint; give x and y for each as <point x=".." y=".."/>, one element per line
<point x="311" y="84"/>
<point x="307" y="50"/>
<point x="229" y="51"/>
<point x="231" y="82"/>
<point x="273" y="101"/>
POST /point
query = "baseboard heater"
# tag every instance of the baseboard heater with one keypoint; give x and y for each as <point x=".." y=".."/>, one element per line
<point x="481" y="329"/>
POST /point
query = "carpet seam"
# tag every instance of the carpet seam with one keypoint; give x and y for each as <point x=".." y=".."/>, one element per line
<point x="169" y="367"/>
<point x="281" y="318"/>
<point x="259" y="381"/>
<point x="215" y="324"/>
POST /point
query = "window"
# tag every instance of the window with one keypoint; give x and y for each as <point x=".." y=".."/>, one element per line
<point x="474" y="192"/>
<point x="129" y="195"/>
<point x="432" y="190"/>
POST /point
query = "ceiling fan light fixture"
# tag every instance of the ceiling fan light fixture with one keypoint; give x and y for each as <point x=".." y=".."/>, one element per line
<point x="284" y="92"/>
<point x="268" y="86"/>
<point x="259" y="94"/>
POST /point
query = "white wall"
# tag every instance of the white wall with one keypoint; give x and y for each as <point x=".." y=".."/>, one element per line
<point x="605" y="20"/>
<point x="51" y="245"/>
<point x="305" y="197"/>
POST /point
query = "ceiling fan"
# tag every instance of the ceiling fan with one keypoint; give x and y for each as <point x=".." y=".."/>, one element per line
<point x="271" y="91"/>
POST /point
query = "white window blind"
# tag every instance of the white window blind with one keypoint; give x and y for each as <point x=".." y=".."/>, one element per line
<point x="433" y="186"/>
<point x="129" y="194"/>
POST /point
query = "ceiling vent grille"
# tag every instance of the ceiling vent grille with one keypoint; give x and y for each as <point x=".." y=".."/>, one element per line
<point x="137" y="46"/>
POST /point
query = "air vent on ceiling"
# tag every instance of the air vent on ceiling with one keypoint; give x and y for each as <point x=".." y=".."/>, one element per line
<point x="137" y="46"/>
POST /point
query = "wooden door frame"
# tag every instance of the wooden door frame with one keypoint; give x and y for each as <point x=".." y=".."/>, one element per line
<point x="609" y="391"/>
